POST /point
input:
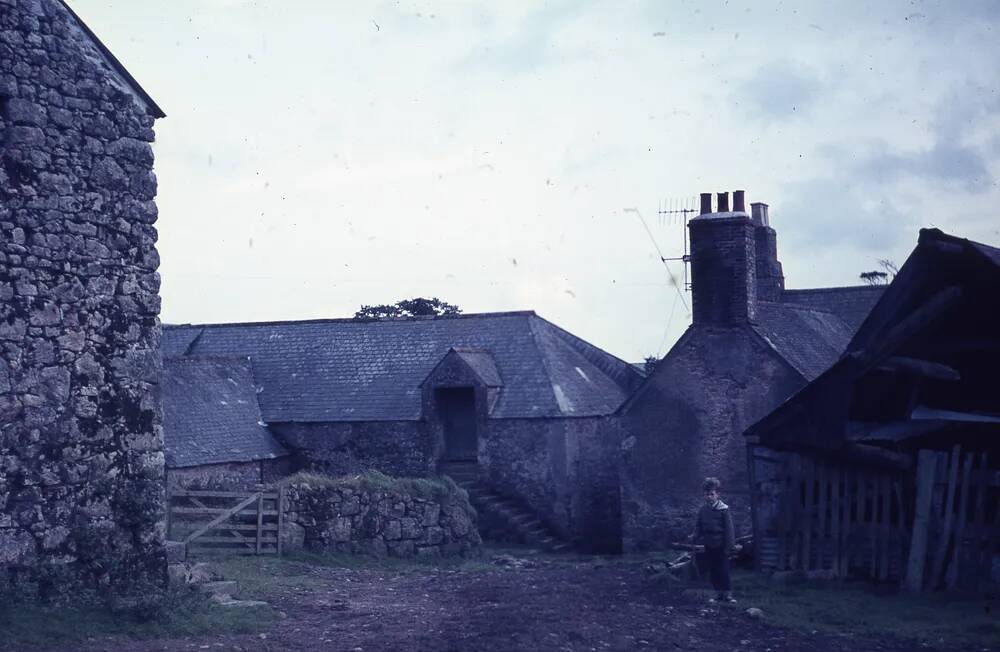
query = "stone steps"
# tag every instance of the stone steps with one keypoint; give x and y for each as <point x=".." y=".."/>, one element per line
<point x="519" y="523"/>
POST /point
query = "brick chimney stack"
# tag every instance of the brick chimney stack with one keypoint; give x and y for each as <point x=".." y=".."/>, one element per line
<point x="723" y="263"/>
<point x="770" y="277"/>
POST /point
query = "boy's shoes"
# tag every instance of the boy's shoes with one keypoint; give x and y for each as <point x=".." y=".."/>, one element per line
<point x="727" y="599"/>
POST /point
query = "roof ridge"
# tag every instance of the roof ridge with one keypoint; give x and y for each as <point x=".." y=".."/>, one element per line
<point x="352" y="320"/>
<point x="545" y="365"/>
<point x="588" y="351"/>
<point x="834" y="287"/>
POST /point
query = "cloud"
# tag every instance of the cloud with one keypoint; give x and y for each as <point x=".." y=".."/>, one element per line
<point x="779" y="90"/>
<point x="947" y="163"/>
<point x="825" y="213"/>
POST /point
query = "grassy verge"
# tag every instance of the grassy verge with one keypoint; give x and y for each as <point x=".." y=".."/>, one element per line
<point x="181" y="613"/>
<point x="944" y="620"/>
<point x="438" y="488"/>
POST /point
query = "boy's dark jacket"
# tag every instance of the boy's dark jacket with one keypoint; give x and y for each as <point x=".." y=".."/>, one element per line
<point x="714" y="527"/>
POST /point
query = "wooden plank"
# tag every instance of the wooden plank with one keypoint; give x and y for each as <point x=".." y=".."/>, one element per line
<point x="822" y="506"/>
<point x="886" y="516"/>
<point x="979" y="518"/>
<point x="845" y="531"/>
<point x="239" y="527"/>
<point x="862" y="522"/>
<point x="280" y="506"/>
<point x="873" y="528"/>
<point x="223" y="552"/>
<point x="809" y="475"/>
<point x="937" y="571"/>
<point x="203" y="511"/>
<point x="926" y="468"/>
<point x="897" y="487"/>
<point x="221" y="494"/>
<point x="260" y="520"/>
<point x="836" y="487"/>
<point x="220" y="518"/>
<point x="952" y="573"/>
<point x="244" y="542"/>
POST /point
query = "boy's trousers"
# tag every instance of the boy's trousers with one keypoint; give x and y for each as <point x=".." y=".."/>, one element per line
<point x="718" y="568"/>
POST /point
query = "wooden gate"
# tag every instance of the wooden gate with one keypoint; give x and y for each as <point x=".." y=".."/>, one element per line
<point x="226" y="522"/>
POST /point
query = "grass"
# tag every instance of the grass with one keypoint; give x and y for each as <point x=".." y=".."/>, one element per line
<point x="182" y="613"/>
<point x="944" y="620"/>
<point x="439" y="488"/>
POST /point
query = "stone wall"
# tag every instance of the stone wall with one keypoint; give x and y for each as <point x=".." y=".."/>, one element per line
<point x="403" y="518"/>
<point x="687" y="423"/>
<point x="564" y="469"/>
<point x="396" y="448"/>
<point x="81" y="460"/>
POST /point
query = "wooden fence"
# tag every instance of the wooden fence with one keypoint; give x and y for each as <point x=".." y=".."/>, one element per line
<point x="848" y="520"/>
<point x="226" y="522"/>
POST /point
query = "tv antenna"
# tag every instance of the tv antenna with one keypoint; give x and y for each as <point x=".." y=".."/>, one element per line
<point x="676" y="211"/>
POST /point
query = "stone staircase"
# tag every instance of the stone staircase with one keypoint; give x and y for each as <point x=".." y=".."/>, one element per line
<point x="502" y="518"/>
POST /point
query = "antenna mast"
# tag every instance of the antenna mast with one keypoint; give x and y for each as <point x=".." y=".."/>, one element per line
<point x="674" y="211"/>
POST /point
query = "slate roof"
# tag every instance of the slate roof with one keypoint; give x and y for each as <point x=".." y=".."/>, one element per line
<point x="483" y="364"/>
<point x="347" y="370"/>
<point x="852" y="304"/>
<point x="210" y="413"/>
<point x="807" y="339"/>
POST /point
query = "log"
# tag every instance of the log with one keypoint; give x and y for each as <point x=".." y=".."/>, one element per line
<point x="892" y="431"/>
<point x="907" y="327"/>
<point x="926" y="469"/>
<point x="951" y="578"/>
<point x="937" y="574"/>
<point x="917" y="367"/>
<point x="867" y="454"/>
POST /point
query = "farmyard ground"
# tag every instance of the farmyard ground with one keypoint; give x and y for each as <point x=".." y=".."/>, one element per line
<point x="555" y="603"/>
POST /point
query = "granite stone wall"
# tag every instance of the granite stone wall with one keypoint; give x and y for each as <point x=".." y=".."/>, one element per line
<point x="81" y="459"/>
<point x="687" y="423"/>
<point x="564" y="469"/>
<point x="396" y="448"/>
<point x="389" y="521"/>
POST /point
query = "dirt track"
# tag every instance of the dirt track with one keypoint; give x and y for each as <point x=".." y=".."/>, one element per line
<point x="551" y="606"/>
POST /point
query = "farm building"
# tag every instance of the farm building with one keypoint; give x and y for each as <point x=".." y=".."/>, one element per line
<point x="81" y="451"/>
<point x="885" y="466"/>
<point x="213" y="432"/>
<point x="507" y="400"/>
<point x="752" y="343"/>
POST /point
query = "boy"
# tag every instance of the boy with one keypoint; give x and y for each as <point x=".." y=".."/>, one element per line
<point x="714" y="530"/>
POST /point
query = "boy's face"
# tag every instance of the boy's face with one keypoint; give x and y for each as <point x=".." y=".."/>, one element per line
<point x="711" y="496"/>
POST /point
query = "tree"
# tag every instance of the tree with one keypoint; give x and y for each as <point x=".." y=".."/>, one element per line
<point x="417" y="307"/>
<point x="649" y="364"/>
<point x="884" y="277"/>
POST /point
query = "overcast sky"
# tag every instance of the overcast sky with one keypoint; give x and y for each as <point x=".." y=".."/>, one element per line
<point x="321" y="154"/>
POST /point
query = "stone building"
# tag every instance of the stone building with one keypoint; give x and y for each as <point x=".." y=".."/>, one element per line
<point x="521" y="400"/>
<point x="751" y="344"/>
<point x="81" y="459"/>
<point x="213" y="433"/>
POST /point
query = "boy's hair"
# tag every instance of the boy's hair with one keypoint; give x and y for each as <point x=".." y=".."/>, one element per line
<point x="711" y="484"/>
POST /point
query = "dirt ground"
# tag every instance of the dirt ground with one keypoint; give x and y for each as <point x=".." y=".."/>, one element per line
<point x="580" y="605"/>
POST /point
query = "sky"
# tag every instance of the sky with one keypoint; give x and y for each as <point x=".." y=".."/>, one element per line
<point x="318" y="155"/>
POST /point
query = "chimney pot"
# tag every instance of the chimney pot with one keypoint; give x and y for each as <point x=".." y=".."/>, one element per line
<point x="706" y="203"/>
<point x="723" y="202"/>
<point x="760" y="213"/>
<point x="738" y="201"/>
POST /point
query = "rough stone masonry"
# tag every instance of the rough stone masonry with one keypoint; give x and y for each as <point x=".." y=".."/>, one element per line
<point x="81" y="444"/>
